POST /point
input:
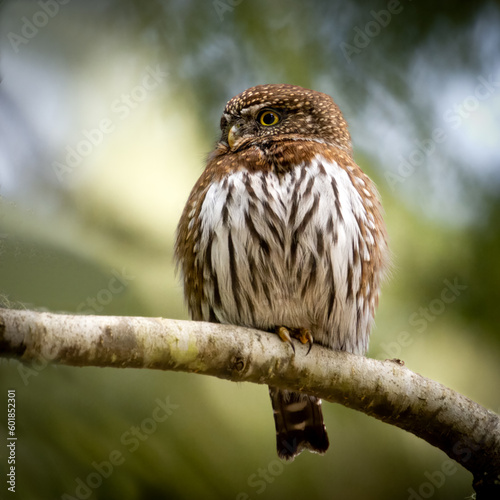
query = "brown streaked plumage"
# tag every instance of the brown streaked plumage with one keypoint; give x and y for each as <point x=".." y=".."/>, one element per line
<point x="284" y="232"/>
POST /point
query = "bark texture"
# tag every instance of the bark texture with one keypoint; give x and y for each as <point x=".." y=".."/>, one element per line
<point x="386" y="390"/>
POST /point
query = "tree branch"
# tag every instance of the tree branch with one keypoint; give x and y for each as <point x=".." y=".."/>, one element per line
<point x="464" y="430"/>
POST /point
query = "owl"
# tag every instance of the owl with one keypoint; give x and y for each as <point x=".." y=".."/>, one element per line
<point x="283" y="232"/>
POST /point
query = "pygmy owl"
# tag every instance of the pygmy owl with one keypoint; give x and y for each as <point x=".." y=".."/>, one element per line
<point x="283" y="232"/>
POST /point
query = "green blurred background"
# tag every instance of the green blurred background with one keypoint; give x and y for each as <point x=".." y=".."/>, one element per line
<point x="107" y="112"/>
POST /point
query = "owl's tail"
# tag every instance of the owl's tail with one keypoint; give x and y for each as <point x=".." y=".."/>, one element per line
<point x="299" y="423"/>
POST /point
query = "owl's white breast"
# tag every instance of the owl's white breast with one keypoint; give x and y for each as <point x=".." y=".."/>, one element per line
<point x="280" y="247"/>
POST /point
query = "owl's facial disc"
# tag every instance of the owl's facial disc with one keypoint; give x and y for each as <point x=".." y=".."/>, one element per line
<point x="251" y="123"/>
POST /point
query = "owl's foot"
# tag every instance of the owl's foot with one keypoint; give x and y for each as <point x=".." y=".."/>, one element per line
<point x="284" y="334"/>
<point x="302" y="334"/>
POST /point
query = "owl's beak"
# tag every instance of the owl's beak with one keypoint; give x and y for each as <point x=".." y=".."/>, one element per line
<point x="233" y="134"/>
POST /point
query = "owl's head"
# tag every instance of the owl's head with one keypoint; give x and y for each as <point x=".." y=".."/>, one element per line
<point x="275" y="112"/>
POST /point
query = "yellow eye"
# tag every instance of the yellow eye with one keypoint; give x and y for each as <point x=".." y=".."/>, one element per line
<point x="268" y="118"/>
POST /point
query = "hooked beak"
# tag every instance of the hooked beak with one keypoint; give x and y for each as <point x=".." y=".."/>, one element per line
<point x="233" y="134"/>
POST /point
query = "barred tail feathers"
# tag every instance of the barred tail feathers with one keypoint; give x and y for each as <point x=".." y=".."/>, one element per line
<point x="299" y="423"/>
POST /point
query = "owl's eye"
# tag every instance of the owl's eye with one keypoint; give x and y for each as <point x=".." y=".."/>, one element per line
<point x="268" y="117"/>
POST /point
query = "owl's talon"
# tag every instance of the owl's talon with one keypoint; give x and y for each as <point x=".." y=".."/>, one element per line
<point x="305" y="336"/>
<point x="284" y="335"/>
<point x="310" y="347"/>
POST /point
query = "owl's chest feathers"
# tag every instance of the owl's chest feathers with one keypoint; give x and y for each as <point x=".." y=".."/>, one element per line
<point x="285" y="249"/>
